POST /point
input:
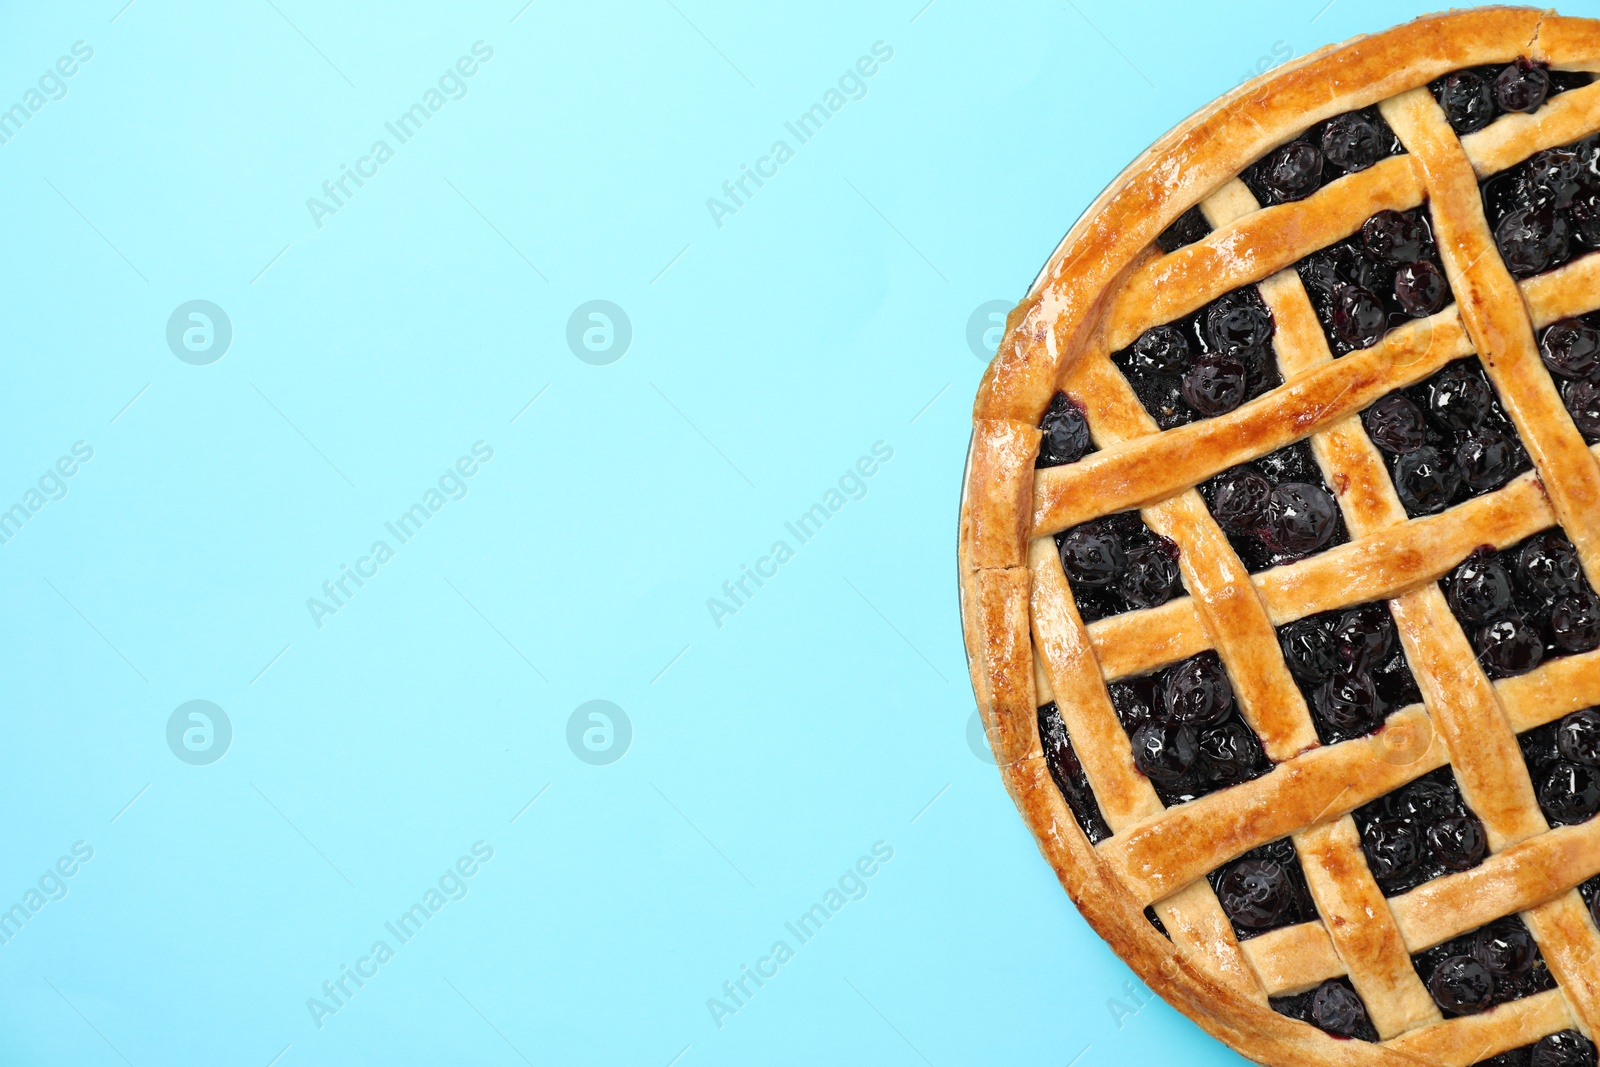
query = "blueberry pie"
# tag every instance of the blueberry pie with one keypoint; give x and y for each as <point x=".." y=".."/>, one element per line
<point x="1280" y="553"/>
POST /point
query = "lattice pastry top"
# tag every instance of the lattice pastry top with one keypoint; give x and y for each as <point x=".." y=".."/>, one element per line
<point x="1279" y="549"/>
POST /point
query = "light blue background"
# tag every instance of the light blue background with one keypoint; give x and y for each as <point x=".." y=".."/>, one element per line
<point x="768" y="754"/>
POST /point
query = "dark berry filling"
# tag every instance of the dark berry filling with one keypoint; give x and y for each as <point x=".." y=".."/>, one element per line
<point x="1326" y="152"/>
<point x="1475" y="97"/>
<point x="1447" y="439"/>
<point x="1206" y="364"/>
<point x="1524" y="605"/>
<point x="1489" y="966"/>
<point x="1564" y="1048"/>
<point x="1066" y="433"/>
<point x="1546" y="209"/>
<point x="1351" y="669"/>
<point x="1190" y="227"/>
<point x="1264" y="889"/>
<point x="1068" y="772"/>
<point x="1187" y="734"/>
<point x="1571" y="353"/>
<point x="1118" y="564"/>
<point x="1419" y="832"/>
<point x="1155" y="920"/>
<point x="1563" y="759"/>
<point x="1332" y="1007"/>
<point x="1382" y="276"/>
<point x="1277" y="509"/>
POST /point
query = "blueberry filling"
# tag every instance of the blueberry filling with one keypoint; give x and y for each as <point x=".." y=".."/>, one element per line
<point x="1263" y="890"/>
<point x="1065" y="431"/>
<point x="1564" y="1048"/>
<point x="1474" y="97"/>
<point x="1382" y="276"/>
<point x="1155" y="920"/>
<point x="1570" y="350"/>
<point x="1206" y="364"/>
<point x="1332" y="1007"/>
<point x="1187" y="734"/>
<point x="1546" y="209"/>
<point x="1524" y="605"/>
<point x="1478" y="970"/>
<point x="1447" y="439"/>
<point x="1350" y="668"/>
<point x="1326" y="152"/>
<point x="1563" y="758"/>
<point x="1190" y="227"/>
<point x="1118" y="564"/>
<point x="1419" y="832"/>
<point x="1275" y="510"/>
<point x="1069" y="775"/>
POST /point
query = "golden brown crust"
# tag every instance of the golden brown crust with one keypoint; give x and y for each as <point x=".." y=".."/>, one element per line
<point x="1102" y="287"/>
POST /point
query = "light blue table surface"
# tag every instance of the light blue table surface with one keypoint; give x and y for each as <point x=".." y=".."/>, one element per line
<point x="398" y="381"/>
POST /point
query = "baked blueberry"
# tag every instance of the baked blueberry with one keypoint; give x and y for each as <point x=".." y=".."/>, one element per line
<point x="1214" y="385"/>
<point x="1467" y="100"/>
<point x="1508" y="646"/>
<point x="1569" y="793"/>
<point x="1532" y="239"/>
<point x="1553" y="176"/>
<point x="1198" y="692"/>
<point x="1565" y="1048"/>
<point x="1583" y="402"/>
<point x="1585" y="215"/>
<point x="1236" y="322"/>
<point x="1392" y="846"/>
<point x="1480" y="589"/>
<point x="1358" y="316"/>
<point x="1394" y="237"/>
<point x="1164" y="750"/>
<point x="1395" y="424"/>
<point x="1458" y="842"/>
<point x="1308" y="649"/>
<point x="1460" y="397"/>
<point x="1292" y="171"/>
<point x="1229" y="753"/>
<point x="1575" y="621"/>
<point x="1301" y="518"/>
<point x="1420" y="288"/>
<point x="1337" y="1010"/>
<point x="1092" y="555"/>
<point x="1190" y="227"/>
<point x="1353" y="141"/>
<point x="1348" y="702"/>
<point x="1364" y="637"/>
<point x="1487" y="459"/>
<point x="1571" y="349"/>
<point x="1065" y="433"/>
<point x="1547" y="565"/>
<point x="1522" y="86"/>
<point x="1150" y="577"/>
<point x="1162" y="350"/>
<point x="1426" y="480"/>
<point x="1504" y="947"/>
<point x="1461" y="986"/>
<point x="1578" y="737"/>
<point x="1255" y="893"/>
<point x="1240" y="500"/>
